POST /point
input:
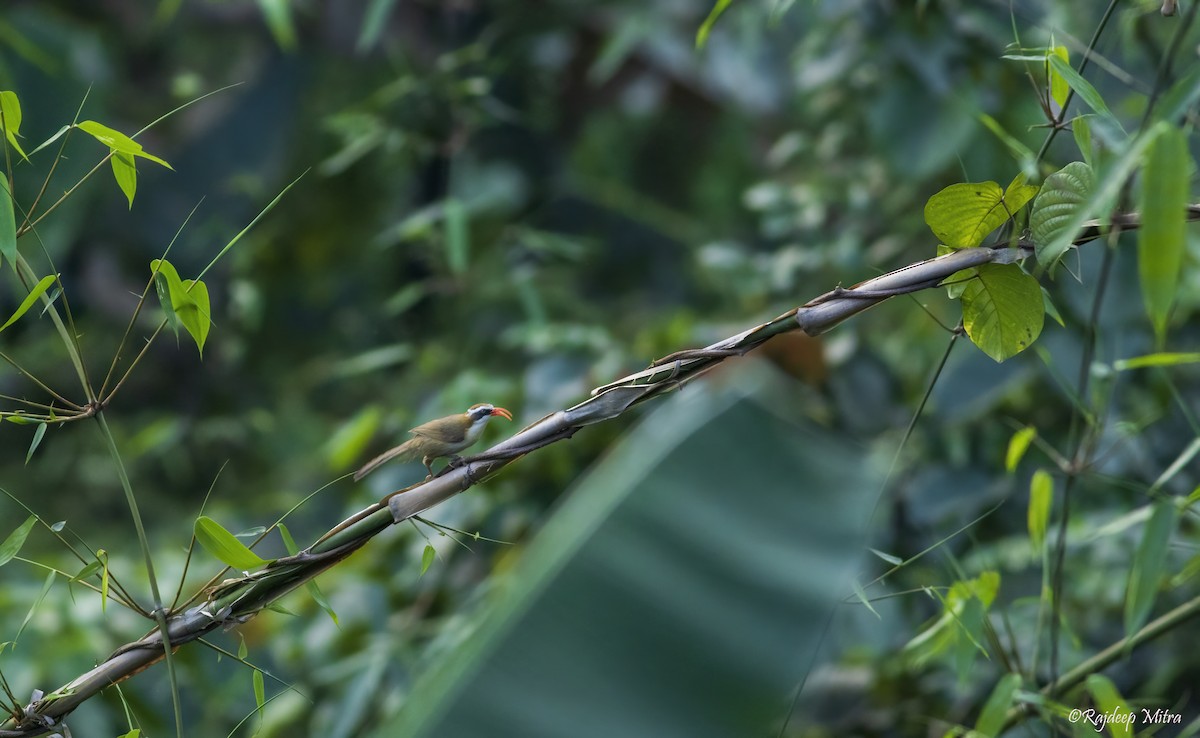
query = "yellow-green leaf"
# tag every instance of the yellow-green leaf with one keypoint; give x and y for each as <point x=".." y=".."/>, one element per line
<point x="1041" y="495"/>
<point x="962" y="214"/>
<point x="427" y="557"/>
<point x="15" y="540"/>
<point x="125" y="172"/>
<point x="1059" y="89"/>
<point x="995" y="710"/>
<point x="1109" y="700"/>
<point x="1162" y="237"/>
<point x="34" y="294"/>
<point x="117" y="141"/>
<point x="1017" y="445"/>
<point x="1160" y="359"/>
<point x="10" y="108"/>
<point x="1003" y="310"/>
<point x="707" y="26"/>
<point x="225" y="546"/>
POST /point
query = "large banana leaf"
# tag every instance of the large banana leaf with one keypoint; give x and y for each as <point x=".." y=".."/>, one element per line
<point x="682" y="588"/>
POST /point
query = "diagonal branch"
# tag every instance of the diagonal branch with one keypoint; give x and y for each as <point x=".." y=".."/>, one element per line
<point x="239" y="599"/>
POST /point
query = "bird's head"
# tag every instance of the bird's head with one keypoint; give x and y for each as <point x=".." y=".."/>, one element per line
<point x="480" y="414"/>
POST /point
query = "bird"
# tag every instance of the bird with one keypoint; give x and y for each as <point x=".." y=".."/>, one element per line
<point x="437" y="438"/>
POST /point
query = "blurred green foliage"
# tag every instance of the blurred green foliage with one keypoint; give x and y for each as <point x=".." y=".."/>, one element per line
<point x="512" y="202"/>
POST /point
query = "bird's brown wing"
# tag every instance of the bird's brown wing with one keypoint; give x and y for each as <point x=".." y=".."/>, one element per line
<point x="443" y="432"/>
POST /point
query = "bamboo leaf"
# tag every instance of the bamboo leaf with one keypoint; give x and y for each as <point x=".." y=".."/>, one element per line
<point x="992" y="716"/>
<point x="1017" y="445"/>
<point x="427" y="557"/>
<point x="16" y="539"/>
<point x="1162" y="238"/>
<point x="225" y="546"/>
<point x="37" y="440"/>
<point x="1109" y="700"/>
<point x="1041" y="496"/>
<point x="34" y="294"/>
<point x="10" y="107"/>
<point x="1149" y="564"/>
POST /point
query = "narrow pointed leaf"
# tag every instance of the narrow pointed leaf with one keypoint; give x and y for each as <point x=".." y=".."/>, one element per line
<point x="16" y="539"/>
<point x="117" y="141"/>
<point x="224" y="546"/>
<point x="37" y="440"/>
<point x="1160" y="359"/>
<point x="1162" y="239"/>
<point x="1149" y="564"/>
<point x="313" y="590"/>
<point x="995" y="710"/>
<point x="1058" y="86"/>
<point x="125" y="172"/>
<point x="1109" y="700"/>
<point x="427" y="557"/>
<point x="8" y="224"/>
<point x="1017" y="446"/>
<point x="10" y="106"/>
<point x="1041" y="496"/>
<point x="34" y="294"/>
<point x="707" y="26"/>
<point x="1084" y="89"/>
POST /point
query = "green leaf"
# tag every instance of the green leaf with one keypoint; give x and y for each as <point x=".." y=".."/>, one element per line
<point x="995" y="710"/>
<point x="1017" y="445"/>
<point x="36" y="603"/>
<point x="278" y="15"/>
<point x="1148" y="565"/>
<point x="707" y="26"/>
<point x="1041" y="495"/>
<point x="1175" y="103"/>
<point x="10" y="108"/>
<point x="1162" y="239"/>
<point x="373" y="22"/>
<point x="162" y="286"/>
<point x="611" y="594"/>
<point x="102" y="556"/>
<point x="34" y="294"/>
<point x="1061" y="199"/>
<point x="125" y="172"/>
<point x="117" y="141"/>
<point x="16" y="539"/>
<point x="957" y="632"/>
<point x="224" y="546"/>
<point x="194" y="311"/>
<point x="313" y="590"/>
<point x="1160" y="359"/>
<point x="1059" y="89"/>
<point x="1003" y="310"/>
<point x="1084" y="89"/>
<point x="1022" y="152"/>
<point x="185" y="302"/>
<point x="427" y="557"/>
<point x="457" y="236"/>
<point x="1083" y="137"/>
<point x="962" y="214"/>
<point x="8" y="224"/>
<point x="1100" y="199"/>
<point x="1109" y="700"/>
<point x="135" y="733"/>
<point x="37" y="440"/>
<point x="1051" y="308"/>
<point x="51" y="140"/>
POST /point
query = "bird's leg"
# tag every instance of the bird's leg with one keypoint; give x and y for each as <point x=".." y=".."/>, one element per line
<point x="427" y="460"/>
<point x="457" y="461"/>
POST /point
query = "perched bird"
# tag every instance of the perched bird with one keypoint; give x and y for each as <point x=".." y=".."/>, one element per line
<point x="437" y="438"/>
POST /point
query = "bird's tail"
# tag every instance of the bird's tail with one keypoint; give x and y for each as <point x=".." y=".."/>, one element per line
<point x="405" y="451"/>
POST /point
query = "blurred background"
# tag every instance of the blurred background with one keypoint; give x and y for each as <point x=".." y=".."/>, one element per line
<point x="512" y="202"/>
